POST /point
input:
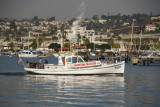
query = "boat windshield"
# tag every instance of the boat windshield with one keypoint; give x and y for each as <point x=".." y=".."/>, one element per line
<point x="74" y="59"/>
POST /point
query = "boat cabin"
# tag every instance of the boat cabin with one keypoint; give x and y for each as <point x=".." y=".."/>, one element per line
<point x="71" y="62"/>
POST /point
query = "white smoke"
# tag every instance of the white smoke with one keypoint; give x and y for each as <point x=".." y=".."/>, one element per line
<point x="75" y="24"/>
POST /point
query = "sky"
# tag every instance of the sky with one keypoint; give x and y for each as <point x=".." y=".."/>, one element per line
<point x="69" y="9"/>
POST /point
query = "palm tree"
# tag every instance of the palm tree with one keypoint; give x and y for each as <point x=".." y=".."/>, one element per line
<point x="86" y="41"/>
<point x="79" y="39"/>
<point x="64" y="33"/>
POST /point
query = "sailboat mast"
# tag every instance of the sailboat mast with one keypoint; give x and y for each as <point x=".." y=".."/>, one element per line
<point x="140" y="41"/>
<point x="132" y="37"/>
<point x="61" y="43"/>
<point x="28" y="40"/>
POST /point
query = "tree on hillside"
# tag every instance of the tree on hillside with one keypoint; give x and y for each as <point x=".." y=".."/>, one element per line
<point x="79" y="39"/>
<point x="86" y="42"/>
<point x="110" y="42"/>
<point x="34" y="44"/>
<point x="54" y="46"/>
<point x="51" y="18"/>
<point x="95" y="17"/>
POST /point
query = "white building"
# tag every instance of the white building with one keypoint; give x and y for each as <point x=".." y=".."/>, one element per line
<point x="81" y="30"/>
<point x="102" y="21"/>
<point x="150" y="27"/>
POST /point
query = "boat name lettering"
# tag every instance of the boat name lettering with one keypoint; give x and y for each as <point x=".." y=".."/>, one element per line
<point x="79" y="64"/>
<point x="91" y="63"/>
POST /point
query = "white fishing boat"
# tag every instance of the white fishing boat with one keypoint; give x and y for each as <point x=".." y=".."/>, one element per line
<point x="75" y="65"/>
<point x="27" y="53"/>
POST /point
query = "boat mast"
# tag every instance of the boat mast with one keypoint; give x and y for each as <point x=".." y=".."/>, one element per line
<point x="37" y="41"/>
<point x="61" y="43"/>
<point x="140" y="41"/>
<point x="132" y="37"/>
<point x="28" y="39"/>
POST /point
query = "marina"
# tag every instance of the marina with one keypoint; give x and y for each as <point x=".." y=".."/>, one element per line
<point x="76" y="53"/>
<point x="137" y="87"/>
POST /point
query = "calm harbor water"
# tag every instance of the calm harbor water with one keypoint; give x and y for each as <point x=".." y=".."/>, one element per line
<point x="139" y="86"/>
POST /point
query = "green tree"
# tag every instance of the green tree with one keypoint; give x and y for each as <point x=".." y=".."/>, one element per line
<point x="34" y="44"/>
<point x="90" y="46"/>
<point x="105" y="46"/>
<point x="86" y="42"/>
<point x="79" y="39"/>
<point x="64" y="33"/>
<point x="110" y="42"/>
<point x="54" y="38"/>
<point x="116" y="45"/>
<point x="157" y="46"/>
<point x="67" y="45"/>
<point x="54" y="46"/>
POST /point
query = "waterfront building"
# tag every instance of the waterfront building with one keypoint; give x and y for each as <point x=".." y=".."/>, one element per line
<point x="81" y="30"/>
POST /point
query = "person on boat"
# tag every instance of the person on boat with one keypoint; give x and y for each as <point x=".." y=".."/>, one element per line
<point x="102" y="57"/>
<point x="27" y="64"/>
<point x="46" y="62"/>
<point x="40" y="61"/>
<point x="31" y="65"/>
<point x="37" y="65"/>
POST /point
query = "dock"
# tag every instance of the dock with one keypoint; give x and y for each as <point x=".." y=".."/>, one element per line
<point x="146" y="60"/>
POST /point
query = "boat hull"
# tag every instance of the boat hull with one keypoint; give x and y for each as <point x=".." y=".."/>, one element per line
<point x="117" y="68"/>
<point x="28" y="56"/>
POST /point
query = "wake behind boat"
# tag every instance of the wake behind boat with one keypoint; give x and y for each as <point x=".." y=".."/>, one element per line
<point x="75" y="65"/>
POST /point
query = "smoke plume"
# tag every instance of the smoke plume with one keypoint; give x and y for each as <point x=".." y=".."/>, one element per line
<point x="76" y="23"/>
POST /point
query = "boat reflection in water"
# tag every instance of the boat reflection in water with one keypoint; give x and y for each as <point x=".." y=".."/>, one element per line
<point x="96" y="90"/>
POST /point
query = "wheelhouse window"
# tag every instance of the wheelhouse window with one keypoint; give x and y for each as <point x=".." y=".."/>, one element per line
<point x="69" y="60"/>
<point x="80" y="59"/>
<point x="74" y="59"/>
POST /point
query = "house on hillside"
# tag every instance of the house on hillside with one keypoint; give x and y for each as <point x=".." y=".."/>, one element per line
<point x="150" y="27"/>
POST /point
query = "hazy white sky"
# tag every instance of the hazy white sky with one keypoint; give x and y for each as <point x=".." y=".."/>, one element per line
<point x="69" y="9"/>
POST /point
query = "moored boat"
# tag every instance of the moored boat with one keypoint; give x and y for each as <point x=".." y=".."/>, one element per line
<point x="75" y="65"/>
<point x="27" y="53"/>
